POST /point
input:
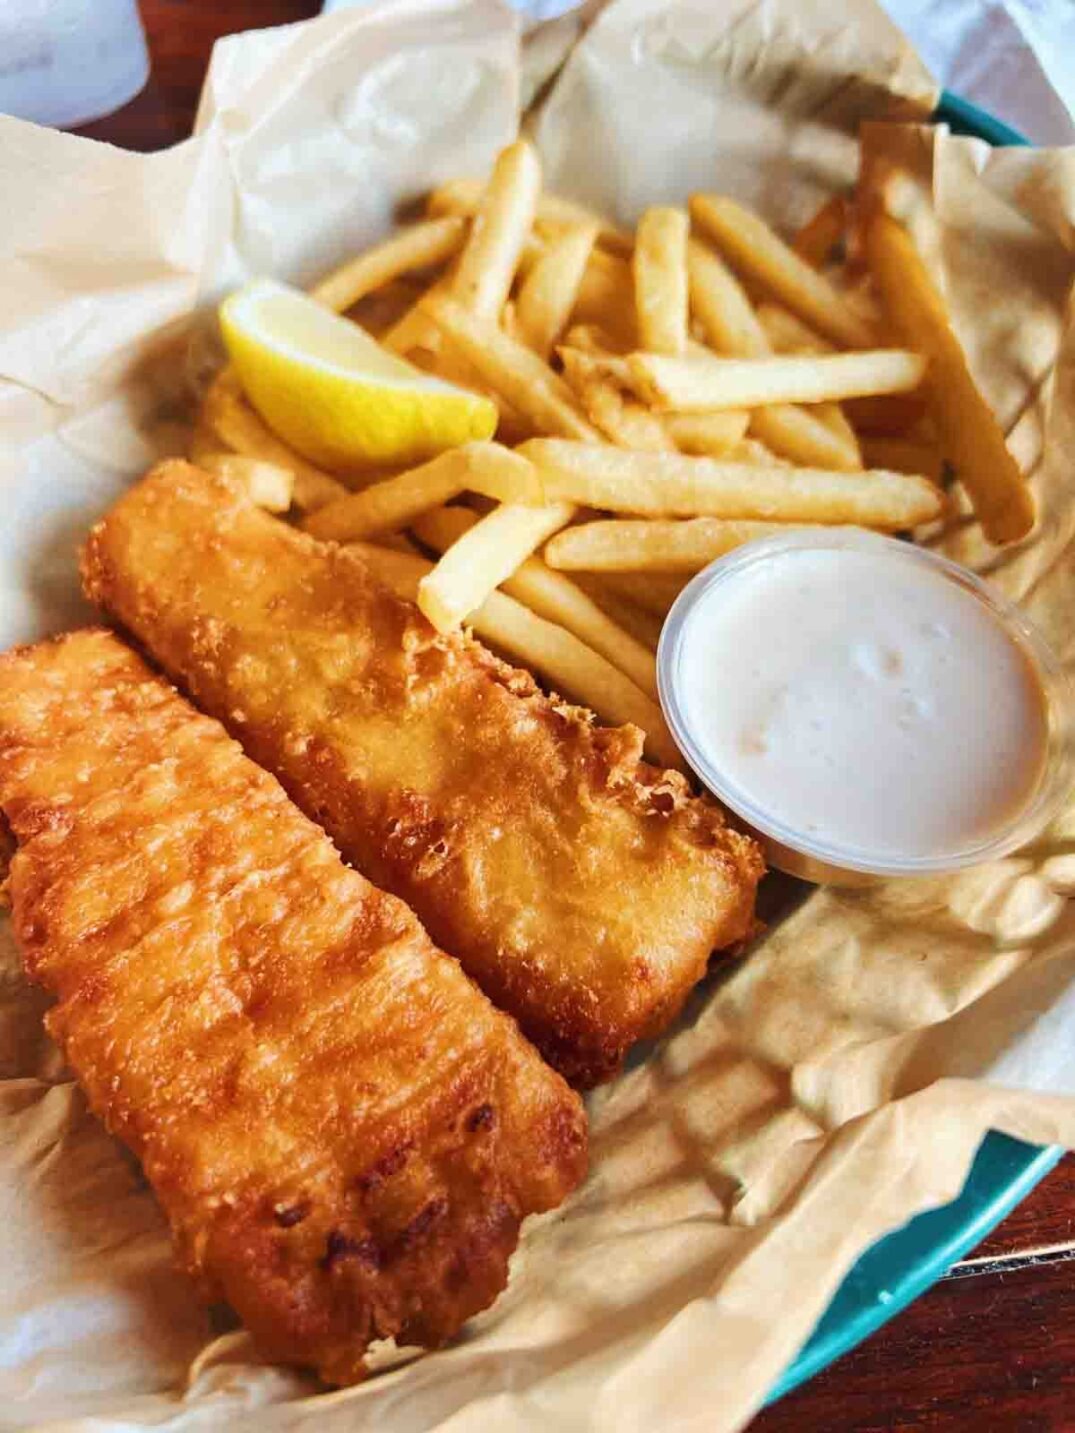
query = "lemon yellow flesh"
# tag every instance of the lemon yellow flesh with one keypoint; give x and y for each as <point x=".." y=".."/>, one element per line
<point x="331" y="391"/>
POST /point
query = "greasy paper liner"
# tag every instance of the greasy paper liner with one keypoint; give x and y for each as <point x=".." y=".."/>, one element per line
<point x="816" y="1094"/>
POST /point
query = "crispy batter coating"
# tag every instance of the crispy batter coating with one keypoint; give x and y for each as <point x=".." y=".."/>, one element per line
<point x="581" y="888"/>
<point x="343" y="1131"/>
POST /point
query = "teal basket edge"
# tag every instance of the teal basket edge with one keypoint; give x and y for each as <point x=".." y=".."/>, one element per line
<point x="904" y="1264"/>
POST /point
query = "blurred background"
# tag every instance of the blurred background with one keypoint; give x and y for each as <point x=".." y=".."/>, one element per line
<point x="130" y="71"/>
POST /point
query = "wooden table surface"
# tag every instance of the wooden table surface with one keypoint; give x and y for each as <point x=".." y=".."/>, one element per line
<point x="991" y="1347"/>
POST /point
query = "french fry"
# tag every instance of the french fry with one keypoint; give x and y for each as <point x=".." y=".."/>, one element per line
<point x="689" y="384"/>
<point x="552" y="596"/>
<point x="379" y="311"/>
<point x="654" y="592"/>
<point x="592" y="339"/>
<point x="548" y="293"/>
<point x="787" y="333"/>
<point x="486" y="268"/>
<point x="819" y="236"/>
<point x="205" y="444"/>
<point x="683" y="545"/>
<point x="732" y="327"/>
<point x="707" y="434"/>
<point x="643" y="626"/>
<point x="619" y="416"/>
<point x="227" y="413"/>
<point x="675" y="485"/>
<point x="420" y="246"/>
<point x="970" y="434"/>
<point x="905" y="455"/>
<point x="796" y="435"/>
<point x="463" y="196"/>
<point x="568" y="665"/>
<point x="448" y="363"/>
<point x="888" y="415"/>
<point x="606" y="298"/>
<point x="520" y="376"/>
<point x="722" y="307"/>
<point x="268" y="485"/>
<point x="659" y="268"/>
<point x="831" y="415"/>
<point x="396" y="501"/>
<point x="416" y="330"/>
<point x="484" y="557"/>
<point x="755" y="452"/>
<point x="753" y="247"/>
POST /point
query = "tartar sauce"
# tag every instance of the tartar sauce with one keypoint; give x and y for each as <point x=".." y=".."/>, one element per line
<point x="862" y="698"/>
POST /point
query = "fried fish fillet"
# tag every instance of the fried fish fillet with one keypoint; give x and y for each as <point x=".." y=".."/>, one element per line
<point x="342" y="1130"/>
<point x="581" y="888"/>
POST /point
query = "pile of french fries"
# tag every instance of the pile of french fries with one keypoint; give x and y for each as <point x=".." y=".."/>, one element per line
<point x="664" y="396"/>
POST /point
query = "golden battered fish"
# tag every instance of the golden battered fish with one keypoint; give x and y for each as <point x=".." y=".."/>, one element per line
<point x="342" y="1130"/>
<point x="581" y="888"/>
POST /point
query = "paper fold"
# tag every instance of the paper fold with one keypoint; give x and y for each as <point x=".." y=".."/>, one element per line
<point x="816" y="1095"/>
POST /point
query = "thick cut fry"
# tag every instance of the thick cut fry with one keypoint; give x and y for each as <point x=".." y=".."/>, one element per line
<point x="819" y="236"/>
<point x="635" y="620"/>
<point x="394" y="502"/>
<point x="227" y="413"/>
<point x="568" y="665"/>
<point x="464" y="196"/>
<point x="754" y="249"/>
<point x="674" y="485"/>
<point x="693" y="383"/>
<point x="905" y="455"/>
<point x="706" y="434"/>
<point x="970" y="434"/>
<point x="442" y="773"/>
<point x="418" y="247"/>
<point x="547" y="296"/>
<point x="651" y="544"/>
<point x="268" y="484"/>
<point x="343" y="1133"/>
<point x="484" y="557"/>
<point x="659" y="268"/>
<point x="501" y="224"/>
<point x="619" y="416"/>
<point x="552" y="596"/>
<point x="527" y="383"/>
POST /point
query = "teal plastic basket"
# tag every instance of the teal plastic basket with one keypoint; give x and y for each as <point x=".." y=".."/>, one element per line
<point x="903" y="1265"/>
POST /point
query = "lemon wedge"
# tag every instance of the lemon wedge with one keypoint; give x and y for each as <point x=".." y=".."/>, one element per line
<point x="325" y="386"/>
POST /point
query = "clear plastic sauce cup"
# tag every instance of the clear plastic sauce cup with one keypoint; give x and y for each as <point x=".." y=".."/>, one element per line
<point x="868" y="708"/>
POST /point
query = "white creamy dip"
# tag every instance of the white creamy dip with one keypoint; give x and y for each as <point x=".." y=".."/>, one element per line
<point x="862" y="698"/>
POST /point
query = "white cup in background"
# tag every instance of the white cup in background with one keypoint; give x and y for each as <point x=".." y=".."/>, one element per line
<point x="66" y="62"/>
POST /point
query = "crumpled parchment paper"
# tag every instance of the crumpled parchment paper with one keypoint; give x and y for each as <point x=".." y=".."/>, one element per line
<point x="817" y="1094"/>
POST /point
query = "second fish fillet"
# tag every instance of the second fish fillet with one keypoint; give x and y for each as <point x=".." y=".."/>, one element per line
<point x="583" y="889"/>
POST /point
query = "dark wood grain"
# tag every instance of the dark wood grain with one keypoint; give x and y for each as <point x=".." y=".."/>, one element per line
<point x="181" y="34"/>
<point x="989" y="1349"/>
<point x="993" y="1354"/>
<point x="1043" y="1226"/>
